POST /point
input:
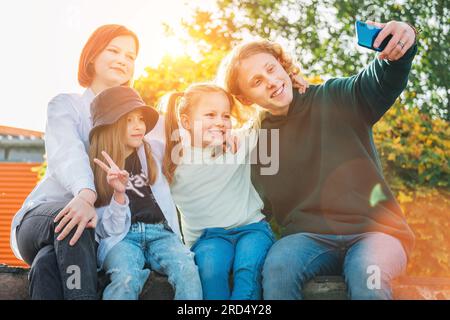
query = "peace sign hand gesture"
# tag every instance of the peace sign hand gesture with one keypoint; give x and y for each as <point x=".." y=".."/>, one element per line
<point x="116" y="178"/>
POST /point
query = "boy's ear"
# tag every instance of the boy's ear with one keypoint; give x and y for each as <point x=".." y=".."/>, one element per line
<point x="184" y="119"/>
<point x="244" y="100"/>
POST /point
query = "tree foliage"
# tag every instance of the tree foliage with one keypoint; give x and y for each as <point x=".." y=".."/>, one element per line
<point x="322" y="34"/>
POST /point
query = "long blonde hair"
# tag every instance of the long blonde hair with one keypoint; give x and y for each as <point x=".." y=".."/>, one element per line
<point x="179" y="103"/>
<point x="229" y="68"/>
<point x="111" y="139"/>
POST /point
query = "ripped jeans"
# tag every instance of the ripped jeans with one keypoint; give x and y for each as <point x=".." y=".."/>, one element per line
<point x="156" y="246"/>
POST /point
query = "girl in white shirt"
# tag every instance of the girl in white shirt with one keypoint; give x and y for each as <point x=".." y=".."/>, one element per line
<point x="210" y="183"/>
<point x="54" y="230"/>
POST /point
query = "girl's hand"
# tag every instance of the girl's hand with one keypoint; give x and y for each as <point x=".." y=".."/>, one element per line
<point x="231" y="143"/>
<point x="116" y="178"/>
<point x="300" y="83"/>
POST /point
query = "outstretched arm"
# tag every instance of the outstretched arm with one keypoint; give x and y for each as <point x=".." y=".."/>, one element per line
<point x="374" y="90"/>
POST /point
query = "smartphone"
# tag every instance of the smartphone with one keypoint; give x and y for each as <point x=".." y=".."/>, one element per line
<point x="366" y="35"/>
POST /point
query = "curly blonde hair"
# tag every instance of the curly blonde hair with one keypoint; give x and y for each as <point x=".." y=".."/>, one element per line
<point x="229" y="68"/>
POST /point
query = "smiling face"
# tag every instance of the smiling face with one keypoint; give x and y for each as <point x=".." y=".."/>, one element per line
<point x="135" y="130"/>
<point x="114" y="66"/>
<point x="208" y="120"/>
<point x="263" y="81"/>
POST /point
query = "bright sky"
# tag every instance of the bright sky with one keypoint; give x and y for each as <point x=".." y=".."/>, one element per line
<point x="42" y="41"/>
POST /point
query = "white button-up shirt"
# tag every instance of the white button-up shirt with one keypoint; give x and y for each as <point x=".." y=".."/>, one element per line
<point x="66" y="143"/>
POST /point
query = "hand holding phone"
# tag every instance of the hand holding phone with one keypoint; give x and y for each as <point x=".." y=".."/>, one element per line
<point x="366" y="35"/>
<point x="393" y="39"/>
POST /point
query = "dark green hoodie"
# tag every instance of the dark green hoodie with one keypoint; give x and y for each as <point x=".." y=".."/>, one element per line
<point x="330" y="179"/>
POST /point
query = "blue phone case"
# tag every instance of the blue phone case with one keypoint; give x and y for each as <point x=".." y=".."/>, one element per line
<point x="366" y="35"/>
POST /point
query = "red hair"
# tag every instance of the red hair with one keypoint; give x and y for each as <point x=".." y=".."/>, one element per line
<point x="96" y="43"/>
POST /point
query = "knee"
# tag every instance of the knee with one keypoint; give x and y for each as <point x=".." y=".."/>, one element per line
<point x="210" y="267"/>
<point x="273" y="266"/>
<point x="86" y="239"/>
<point x="283" y="271"/>
<point x="280" y="279"/>
<point x="213" y="271"/>
<point x="278" y="274"/>
<point x="279" y="262"/>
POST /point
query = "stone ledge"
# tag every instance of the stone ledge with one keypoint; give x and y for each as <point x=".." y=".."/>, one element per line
<point x="14" y="286"/>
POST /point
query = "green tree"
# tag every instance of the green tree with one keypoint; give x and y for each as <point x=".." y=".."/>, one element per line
<point x="321" y="33"/>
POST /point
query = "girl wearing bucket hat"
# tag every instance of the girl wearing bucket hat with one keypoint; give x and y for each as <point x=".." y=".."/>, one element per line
<point x="138" y="222"/>
<point x="54" y="229"/>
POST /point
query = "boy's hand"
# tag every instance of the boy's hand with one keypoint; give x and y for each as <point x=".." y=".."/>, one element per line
<point x="403" y="38"/>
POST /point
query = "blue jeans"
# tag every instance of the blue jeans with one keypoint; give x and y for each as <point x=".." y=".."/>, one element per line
<point x="157" y="246"/>
<point x="368" y="262"/>
<point x="243" y="249"/>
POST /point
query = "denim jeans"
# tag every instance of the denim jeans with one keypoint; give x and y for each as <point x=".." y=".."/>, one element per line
<point x="368" y="262"/>
<point x="158" y="247"/>
<point x="242" y="250"/>
<point x="56" y="265"/>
